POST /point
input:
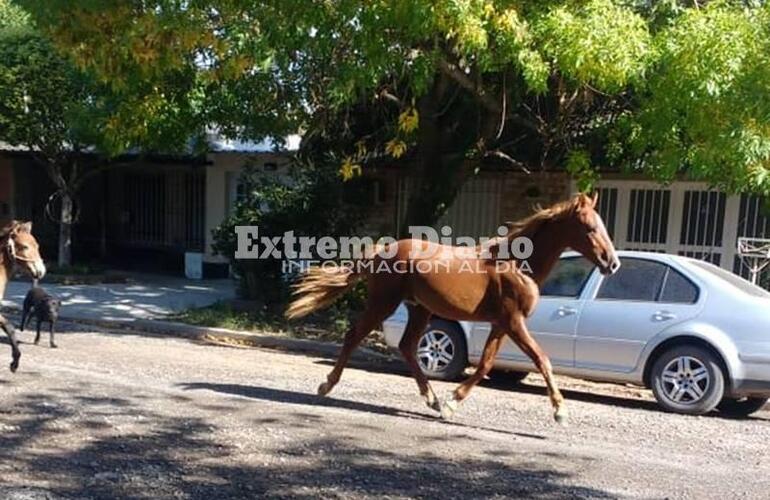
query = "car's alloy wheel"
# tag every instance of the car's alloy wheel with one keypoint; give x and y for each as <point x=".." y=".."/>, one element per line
<point x="685" y="380"/>
<point x="441" y="351"/>
<point x="688" y="379"/>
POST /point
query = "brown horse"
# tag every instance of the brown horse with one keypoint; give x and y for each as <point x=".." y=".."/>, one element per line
<point x="463" y="283"/>
<point x="17" y="248"/>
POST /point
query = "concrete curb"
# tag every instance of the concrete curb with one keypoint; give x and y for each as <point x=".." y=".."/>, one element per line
<point x="222" y="335"/>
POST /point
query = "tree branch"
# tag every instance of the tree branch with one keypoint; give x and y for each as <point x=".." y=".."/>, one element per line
<point x="453" y="72"/>
<point x="499" y="154"/>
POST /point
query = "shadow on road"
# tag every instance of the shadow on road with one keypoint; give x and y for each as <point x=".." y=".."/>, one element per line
<point x="396" y="367"/>
<point x="299" y="398"/>
<point x="80" y="445"/>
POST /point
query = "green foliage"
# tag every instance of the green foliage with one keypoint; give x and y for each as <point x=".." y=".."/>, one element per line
<point x="12" y="16"/>
<point x="580" y="168"/>
<point x="681" y="86"/>
<point x="705" y="108"/>
<point x="310" y="203"/>
<point x="599" y="42"/>
<point x="38" y="93"/>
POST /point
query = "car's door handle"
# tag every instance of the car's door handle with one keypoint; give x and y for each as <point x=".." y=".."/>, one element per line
<point x="566" y="311"/>
<point x="663" y="316"/>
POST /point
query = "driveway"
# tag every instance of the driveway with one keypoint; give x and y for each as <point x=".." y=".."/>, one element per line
<point x="146" y="297"/>
<point x="130" y="415"/>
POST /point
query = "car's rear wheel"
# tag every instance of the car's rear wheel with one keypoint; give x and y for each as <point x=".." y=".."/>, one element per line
<point x="687" y="379"/>
<point x="442" y="352"/>
<point x="741" y="407"/>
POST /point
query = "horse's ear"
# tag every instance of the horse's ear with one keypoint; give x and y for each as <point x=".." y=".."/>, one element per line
<point x="25" y="227"/>
<point x="595" y="199"/>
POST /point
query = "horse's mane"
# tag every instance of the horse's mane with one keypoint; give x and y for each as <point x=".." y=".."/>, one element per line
<point x="531" y="224"/>
<point x="7" y="228"/>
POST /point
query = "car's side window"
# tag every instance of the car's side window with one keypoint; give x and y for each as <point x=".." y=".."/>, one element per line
<point x="677" y="289"/>
<point x="637" y="279"/>
<point x="568" y="278"/>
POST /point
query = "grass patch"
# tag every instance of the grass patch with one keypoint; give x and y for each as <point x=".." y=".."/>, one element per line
<point x="82" y="274"/>
<point x="324" y="326"/>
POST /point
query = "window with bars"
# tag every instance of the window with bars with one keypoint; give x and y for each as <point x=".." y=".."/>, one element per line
<point x="648" y="216"/>
<point x="607" y="208"/>
<point x="703" y="218"/>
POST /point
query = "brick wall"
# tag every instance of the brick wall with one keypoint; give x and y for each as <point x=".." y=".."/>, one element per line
<point x="521" y="192"/>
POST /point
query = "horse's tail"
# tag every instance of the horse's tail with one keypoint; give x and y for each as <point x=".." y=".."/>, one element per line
<point x="319" y="287"/>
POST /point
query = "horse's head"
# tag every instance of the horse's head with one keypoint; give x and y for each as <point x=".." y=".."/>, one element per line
<point x="587" y="235"/>
<point x="21" y="248"/>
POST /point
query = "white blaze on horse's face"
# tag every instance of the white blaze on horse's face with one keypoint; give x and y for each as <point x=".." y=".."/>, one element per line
<point x="608" y="258"/>
<point x="595" y="243"/>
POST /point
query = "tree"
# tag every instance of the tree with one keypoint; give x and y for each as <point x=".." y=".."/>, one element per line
<point x="38" y="96"/>
<point x="704" y="110"/>
<point x="532" y="84"/>
<point x="67" y="120"/>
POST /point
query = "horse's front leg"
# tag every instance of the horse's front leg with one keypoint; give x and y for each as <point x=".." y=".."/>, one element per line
<point x="11" y="332"/>
<point x="491" y="348"/>
<point x="521" y="336"/>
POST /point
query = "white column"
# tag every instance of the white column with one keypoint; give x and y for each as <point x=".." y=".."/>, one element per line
<point x="730" y="233"/>
<point x="675" y="216"/>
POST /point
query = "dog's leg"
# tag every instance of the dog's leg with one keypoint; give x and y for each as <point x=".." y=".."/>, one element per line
<point x="53" y="344"/>
<point x="24" y="314"/>
<point x="37" y="337"/>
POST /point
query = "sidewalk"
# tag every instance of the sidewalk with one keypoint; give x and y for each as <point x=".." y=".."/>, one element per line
<point x="148" y="297"/>
<point x="144" y="305"/>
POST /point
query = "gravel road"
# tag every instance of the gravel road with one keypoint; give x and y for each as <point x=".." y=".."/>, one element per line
<point x="127" y="415"/>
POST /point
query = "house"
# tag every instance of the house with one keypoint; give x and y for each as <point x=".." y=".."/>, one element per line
<point x="145" y="215"/>
<point x="683" y="218"/>
<point x="150" y="215"/>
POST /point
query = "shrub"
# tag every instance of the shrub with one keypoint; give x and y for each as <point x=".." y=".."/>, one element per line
<point x="311" y="201"/>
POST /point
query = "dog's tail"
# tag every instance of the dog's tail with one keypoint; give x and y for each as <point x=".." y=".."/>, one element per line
<point x="319" y="288"/>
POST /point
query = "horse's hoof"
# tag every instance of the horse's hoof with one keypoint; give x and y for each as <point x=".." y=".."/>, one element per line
<point x="448" y="409"/>
<point x="54" y="346"/>
<point x="433" y="404"/>
<point x="14" y="365"/>
<point x="561" y="415"/>
<point x="324" y="389"/>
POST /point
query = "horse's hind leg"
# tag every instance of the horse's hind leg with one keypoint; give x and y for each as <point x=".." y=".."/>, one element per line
<point x="521" y="336"/>
<point x="376" y="311"/>
<point x="491" y="348"/>
<point x="15" y="352"/>
<point x="418" y="320"/>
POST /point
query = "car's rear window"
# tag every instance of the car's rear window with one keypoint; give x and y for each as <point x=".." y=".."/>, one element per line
<point x="733" y="279"/>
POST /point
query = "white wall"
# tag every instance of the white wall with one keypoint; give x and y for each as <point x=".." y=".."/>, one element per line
<point x="224" y="166"/>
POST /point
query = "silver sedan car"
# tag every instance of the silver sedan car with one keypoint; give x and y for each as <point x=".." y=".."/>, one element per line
<point x="697" y="335"/>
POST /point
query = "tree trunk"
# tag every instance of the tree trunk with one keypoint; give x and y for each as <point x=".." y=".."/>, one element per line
<point x="65" y="230"/>
<point x="442" y="167"/>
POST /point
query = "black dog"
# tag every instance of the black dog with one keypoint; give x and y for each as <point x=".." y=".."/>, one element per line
<point x="46" y="308"/>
